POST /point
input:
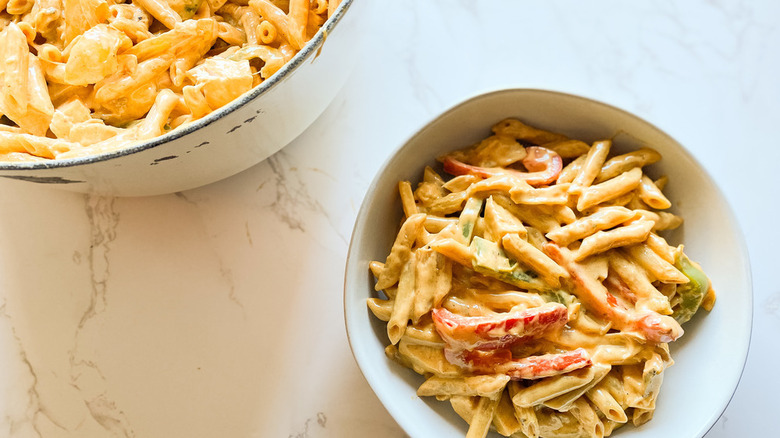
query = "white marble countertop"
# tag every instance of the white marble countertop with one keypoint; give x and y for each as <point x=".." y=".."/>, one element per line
<point x="217" y="312"/>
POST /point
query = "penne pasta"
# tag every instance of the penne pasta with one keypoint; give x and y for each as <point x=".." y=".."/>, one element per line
<point x="603" y="400"/>
<point x="425" y="282"/>
<point x="552" y="387"/>
<point x="647" y="296"/>
<point x="425" y="360"/>
<point x="609" y="190"/>
<point x="655" y="265"/>
<point x="568" y="148"/>
<point x="584" y="412"/>
<point x="651" y="195"/>
<point x="401" y="251"/>
<point x="505" y="420"/>
<point x="571" y="170"/>
<point x="122" y="60"/>
<point x="482" y="418"/>
<point x="623" y="163"/>
<point x="528" y="254"/>
<point x="602" y="241"/>
<point x="603" y="219"/>
<point x="539" y="303"/>
<point x="482" y="386"/>
<point x="403" y="305"/>
<point x="591" y="166"/>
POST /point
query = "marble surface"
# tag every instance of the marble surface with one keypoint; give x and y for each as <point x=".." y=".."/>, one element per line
<point x="218" y="311"/>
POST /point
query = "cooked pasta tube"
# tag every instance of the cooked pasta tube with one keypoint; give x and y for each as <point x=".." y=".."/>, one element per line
<point x="647" y="296"/>
<point x="605" y="240"/>
<point x="464" y="406"/>
<point x="659" y="246"/>
<point x="250" y="22"/>
<point x="403" y="304"/>
<point x="557" y="194"/>
<point x="528" y="214"/>
<point x="606" y="403"/>
<point x="565" y="402"/>
<point x="298" y="18"/>
<point x="613" y="384"/>
<point x="623" y="163"/>
<point x="407" y="198"/>
<point x="552" y="387"/>
<point x="451" y="203"/>
<point x="528" y="254"/>
<point x="425" y="282"/>
<point x="602" y="219"/>
<point x="401" y="251"/>
<point x="505" y="421"/>
<point x="489" y="386"/>
<point x="568" y="148"/>
<point x="24" y="97"/>
<point x="483" y="417"/>
<point x="279" y="19"/>
<point x="652" y="195"/>
<point x="38" y="146"/>
<point x="424" y="334"/>
<point x="553" y="423"/>
<point x="529" y="424"/>
<point x="562" y="213"/>
<point x="655" y="265"/>
<point x="382" y="309"/>
<point x="652" y="377"/>
<point x="571" y="170"/>
<point x="453" y="250"/>
<point x="641" y="416"/>
<point x="89" y="12"/>
<point x="425" y="360"/>
<point x="609" y="190"/>
<point x="584" y="412"/>
<point x="633" y="384"/>
<point x="661" y="219"/>
<point x="591" y="166"/>
<point x="500" y="221"/>
<point x="435" y="224"/>
<point x="231" y="34"/>
<point x="496" y="183"/>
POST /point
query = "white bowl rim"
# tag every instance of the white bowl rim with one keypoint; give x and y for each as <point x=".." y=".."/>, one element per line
<point x="311" y="46"/>
<point x="362" y="212"/>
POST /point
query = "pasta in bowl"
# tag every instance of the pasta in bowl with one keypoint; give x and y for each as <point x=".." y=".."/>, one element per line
<point x="531" y="282"/>
<point x="85" y="82"/>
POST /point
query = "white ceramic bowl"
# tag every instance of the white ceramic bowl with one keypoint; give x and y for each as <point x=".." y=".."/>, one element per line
<point x="709" y="358"/>
<point x="229" y="140"/>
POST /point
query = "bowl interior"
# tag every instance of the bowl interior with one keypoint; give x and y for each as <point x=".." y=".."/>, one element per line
<point x="694" y="392"/>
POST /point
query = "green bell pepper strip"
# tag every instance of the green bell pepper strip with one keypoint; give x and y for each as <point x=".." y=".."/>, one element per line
<point x="693" y="292"/>
<point x="490" y="260"/>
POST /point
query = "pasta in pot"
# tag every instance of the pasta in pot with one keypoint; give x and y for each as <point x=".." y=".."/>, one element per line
<point x="532" y="289"/>
<point x="80" y="77"/>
